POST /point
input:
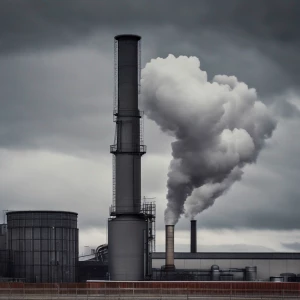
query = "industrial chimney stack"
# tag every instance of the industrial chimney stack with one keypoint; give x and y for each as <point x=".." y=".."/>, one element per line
<point x="127" y="227"/>
<point x="169" y="248"/>
<point x="193" y="236"/>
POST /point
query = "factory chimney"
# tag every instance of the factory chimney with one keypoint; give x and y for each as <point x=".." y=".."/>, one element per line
<point x="169" y="247"/>
<point x="193" y="236"/>
<point x="127" y="226"/>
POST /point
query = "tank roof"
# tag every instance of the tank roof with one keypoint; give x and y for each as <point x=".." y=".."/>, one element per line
<point x="128" y="36"/>
<point x="40" y="211"/>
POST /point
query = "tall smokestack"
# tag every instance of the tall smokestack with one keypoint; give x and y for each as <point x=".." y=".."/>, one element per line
<point x="127" y="227"/>
<point x="169" y="247"/>
<point x="193" y="236"/>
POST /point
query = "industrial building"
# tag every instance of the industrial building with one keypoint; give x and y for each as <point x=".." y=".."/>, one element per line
<point x="222" y="266"/>
<point x="129" y="255"/>
<point x="205" y="266"/>
<point x="42" y="246"/>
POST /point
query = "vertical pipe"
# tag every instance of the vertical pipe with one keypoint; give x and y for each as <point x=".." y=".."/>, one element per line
<point x="169" y="247"/>
<point x="193" y="236"/>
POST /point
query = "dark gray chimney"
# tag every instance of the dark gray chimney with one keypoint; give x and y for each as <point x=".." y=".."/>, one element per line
<point x="193" y="236"/>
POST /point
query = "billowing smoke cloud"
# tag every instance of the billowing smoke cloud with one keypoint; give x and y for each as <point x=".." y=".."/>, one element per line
<point x="218" y="126"/>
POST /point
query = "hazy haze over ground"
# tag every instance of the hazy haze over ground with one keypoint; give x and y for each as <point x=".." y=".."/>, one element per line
<point x="56" y="94"/>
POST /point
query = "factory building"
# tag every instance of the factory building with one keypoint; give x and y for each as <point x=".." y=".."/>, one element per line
<point x="218" y="266"/>
<point x="130" y="235"/>
<point x="205" y="266"/>
<point x="228" y="266"/>
<point x="42" y="246"/>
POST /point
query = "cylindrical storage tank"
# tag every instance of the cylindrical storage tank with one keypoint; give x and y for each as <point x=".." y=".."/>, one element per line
<point x="215" y="273"/>
<point x="193" y="236"/>
<point x="169" y="247"/>
<point x="250" y="273"/>
<point x="276" y="279"/>
<point x="288" y="277"/>
<point x="44" y="245"/>
<point x="127" y="248"/>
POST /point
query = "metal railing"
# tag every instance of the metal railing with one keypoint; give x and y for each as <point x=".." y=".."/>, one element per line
<point x="128" y="148"/>
<point x="144" y="293"/>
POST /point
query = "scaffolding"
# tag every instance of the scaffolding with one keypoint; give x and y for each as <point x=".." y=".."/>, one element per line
<point x="149" y="210"/>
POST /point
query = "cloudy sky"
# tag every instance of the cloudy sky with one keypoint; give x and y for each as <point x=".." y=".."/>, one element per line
<point x="56" y="95"/>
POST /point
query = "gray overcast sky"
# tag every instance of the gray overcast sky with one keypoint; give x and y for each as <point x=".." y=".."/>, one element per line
<point x="56" y="94"/>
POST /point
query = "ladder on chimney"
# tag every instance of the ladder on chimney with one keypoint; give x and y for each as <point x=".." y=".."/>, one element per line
<point x="113" y="208"/>
<point x="142" y="128"/>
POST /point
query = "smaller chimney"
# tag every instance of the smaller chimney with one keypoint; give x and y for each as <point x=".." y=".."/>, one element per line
<point x="193" y="236"/>
<point x="169" y="247"/>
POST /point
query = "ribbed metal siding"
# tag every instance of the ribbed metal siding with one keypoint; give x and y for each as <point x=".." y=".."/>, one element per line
<point x="44" y="245"/>
<point x="5" y="263"/>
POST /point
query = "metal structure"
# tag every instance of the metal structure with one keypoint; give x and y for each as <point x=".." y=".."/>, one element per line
<point x="5" y="264"/>
<point x="193" y="236"/>
<point x="102" y="254"/>
<point x="257" y="266"/>
<point x="149" y="211"/>
<point x="3" y="237"/>
<point x="44" y="245"/>
<point x="250" y="273"/>
<point x="128" y="230"/>
<point x="169" y="247"/>
<point x="288" y="277"/>
<point x="215" y="273"/>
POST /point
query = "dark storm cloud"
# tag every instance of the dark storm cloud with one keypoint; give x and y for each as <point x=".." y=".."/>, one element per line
<point x="229" y="36"/>
<point x="23" y="22"/>
<point x="62" y="101"/>
<point x="57" y="100"/>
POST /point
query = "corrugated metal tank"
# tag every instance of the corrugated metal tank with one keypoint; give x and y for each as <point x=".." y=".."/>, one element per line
<point x="250" y="273"/>
<point x="5" y="263"/>
<point x="215" y="273"/>
<point x="3" y="236"/>
<point x="127" y="254"/>
<point x="44" y="245"/>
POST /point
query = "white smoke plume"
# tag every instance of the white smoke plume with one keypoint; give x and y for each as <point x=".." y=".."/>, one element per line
<point x="218" y="126"/>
